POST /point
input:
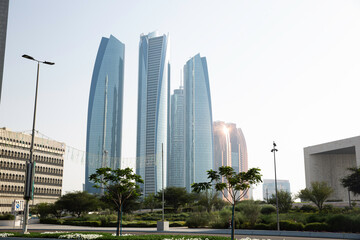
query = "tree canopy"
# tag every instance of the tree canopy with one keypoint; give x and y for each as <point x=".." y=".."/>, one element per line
<point x="318" y="193"/>
<point x="284" y="200"/>
<point x="352" y="181"/>
<point x="78" y="202"/>
<point x="119" y="185"/>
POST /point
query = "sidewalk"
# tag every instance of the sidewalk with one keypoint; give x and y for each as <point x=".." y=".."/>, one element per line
<point x="185" y="230"/>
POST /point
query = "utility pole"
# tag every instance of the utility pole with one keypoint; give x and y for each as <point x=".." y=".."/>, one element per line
<point x="274" y="150"/>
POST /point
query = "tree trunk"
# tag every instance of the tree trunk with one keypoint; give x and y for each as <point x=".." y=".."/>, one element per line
<point x="119" y="222"/>
<point x="233" y="223"/>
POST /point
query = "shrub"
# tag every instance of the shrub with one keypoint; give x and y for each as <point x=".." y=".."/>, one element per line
<point x="308" y="208"/>
<point x="177" y="224"/>
<point x="250" y="210"/>
<point x="262" y="226"/>
<point x="267" y="209"/>
<point x="315" y="218"/>
<point x="199" y="219"/>
<point x="7" y="217"/>
<point x="51" y="221"/>
<point x="343" y="223"/>
<point x="288" y="225"/>
<point x="316" y="227"/>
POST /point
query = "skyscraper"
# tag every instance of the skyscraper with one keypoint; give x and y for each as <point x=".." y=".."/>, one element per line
<point x="176" y="163"/>
<point x="198" y="121"/>
<point x="269" y="187"/>
<point x="4" y="8"/>
<point x="230" y="147"/>
<point x="153" y="111"/>
<point x="104" y="123"/>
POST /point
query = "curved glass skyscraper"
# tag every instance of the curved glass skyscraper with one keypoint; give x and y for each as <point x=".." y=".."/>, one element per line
<point x="198" y="121"/>
<point x="153" y="110"/>
<point x="104" y="123"/>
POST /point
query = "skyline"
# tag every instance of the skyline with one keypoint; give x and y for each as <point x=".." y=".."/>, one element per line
<point x="282" y="71"/>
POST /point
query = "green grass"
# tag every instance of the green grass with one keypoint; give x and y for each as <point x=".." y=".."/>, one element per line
<point x="109" y="236"/>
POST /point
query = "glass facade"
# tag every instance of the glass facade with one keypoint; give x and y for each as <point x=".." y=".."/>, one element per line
<point x="198" y="121"/>
<point x="153" y="111"/>
<point x="176" y="164"/>
<point x="104" y="123"/>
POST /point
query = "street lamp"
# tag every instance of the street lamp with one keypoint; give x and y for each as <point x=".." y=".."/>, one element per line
<point x="274" y="150"/>
<point x="30" y="166"/>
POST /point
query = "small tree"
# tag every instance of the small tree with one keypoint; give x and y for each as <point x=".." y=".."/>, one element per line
<point x="78" y="202"/>
<point x="174" y="197"/>
<point x="250" y="209"/>
<point x="352" y="181"/>
<point x="236" y="185"/>
<point x="151" y="202"/>
<point x="42" y="210"/>
<point x="210" y="200"/>
<point x="318" y="193"/>
<point x="120" y="185"/>
<point x="284" y="200"/>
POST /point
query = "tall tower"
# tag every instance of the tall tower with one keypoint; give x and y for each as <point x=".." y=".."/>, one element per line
<point x="153" y="111"/>
<point x="4" y="8"/>
<point x="198" y="121"/>
<point x="230" y="147"/>
<point x="104" y="123"/>
<point x="176" y="163"/>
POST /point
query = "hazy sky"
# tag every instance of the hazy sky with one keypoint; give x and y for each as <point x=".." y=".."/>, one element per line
<point x="284" y="71"/>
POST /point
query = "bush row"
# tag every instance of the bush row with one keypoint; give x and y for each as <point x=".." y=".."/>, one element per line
<point x="107" y="224"/>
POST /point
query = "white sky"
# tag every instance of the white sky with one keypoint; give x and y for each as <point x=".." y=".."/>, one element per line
<point x="286" y="71"/>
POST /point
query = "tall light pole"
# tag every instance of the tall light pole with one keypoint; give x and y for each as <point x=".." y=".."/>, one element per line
<point x="274" y="150"/>
<point x="30" y="165"/>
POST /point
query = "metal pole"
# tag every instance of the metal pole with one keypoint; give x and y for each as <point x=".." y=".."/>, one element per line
<point x="163" y="189"/>
<point x="29" y="182"/>
<point x="349" y="199"/>
<point x="276" y="192"/>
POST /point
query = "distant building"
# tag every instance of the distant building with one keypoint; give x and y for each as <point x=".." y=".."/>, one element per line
<point x="105" y="110"/>
<point x="269" y="187"/>
<point x="14" y="154"/>
<point x="230" y="147"/>
<point x="198" y="121"/>
<point x="176" y="163"/>
<point x="329" y="162"/>
<point x="4" y="8"/>
<point x="153" y="111"/>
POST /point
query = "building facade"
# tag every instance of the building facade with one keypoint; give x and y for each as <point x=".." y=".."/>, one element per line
<point x="198" y="121"/>
<point x="329" y="162"/>
<point x="4" y="9"/>
<point x="105" y="110"/>
<point x="269" y="187"/>
<point x="14" y="154"/>
<point x="176" y="163"/>
<point x="230" y="147"/>
<point x="153" y="111"/>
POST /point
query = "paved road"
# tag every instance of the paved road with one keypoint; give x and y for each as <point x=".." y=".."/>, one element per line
<point x="257" y="234"/>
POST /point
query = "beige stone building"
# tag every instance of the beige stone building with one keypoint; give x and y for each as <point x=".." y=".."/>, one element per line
<point x="49" y="163"/>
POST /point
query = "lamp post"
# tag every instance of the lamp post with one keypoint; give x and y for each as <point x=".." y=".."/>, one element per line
<point x="30" y="166"/>
<point x="274" y="150"/>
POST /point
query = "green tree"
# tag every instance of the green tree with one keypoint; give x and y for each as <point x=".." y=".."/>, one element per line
<point x="352" y="181"/>
<point x="42" y="210"/>
<point x="151" y="202"/>
<point x="78" y="202"/>
<point x="210" y="200"/>
<point x="119" y="186"/>
<point x="174" y="197"/>
<point x="235" y="185"/>
<point x="318" y="193"/>
<point x="285" y="201"/>
<point x="250" y="209"/>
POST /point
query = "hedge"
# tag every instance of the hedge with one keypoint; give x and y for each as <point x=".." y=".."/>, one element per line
<point x="316" y="227"/>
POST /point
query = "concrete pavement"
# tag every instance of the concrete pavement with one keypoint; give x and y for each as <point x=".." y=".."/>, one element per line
<point x="259" y="234"/>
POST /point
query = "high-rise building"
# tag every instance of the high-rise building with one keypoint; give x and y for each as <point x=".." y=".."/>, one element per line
<point x="4" y="8"/>
<point x="176" y="163"/>
<point x="15" y="153"/>
<point x="198" y="121"/>
<point x="269" y="187"/>
<point x="230" y="147"/>
<point x="105" y="110"/>
<point x="153" y="111"/>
